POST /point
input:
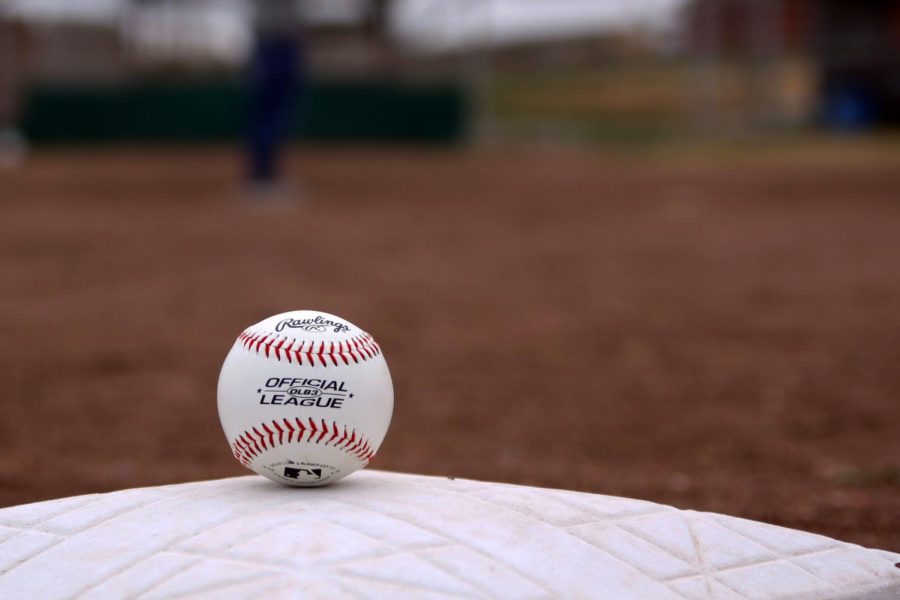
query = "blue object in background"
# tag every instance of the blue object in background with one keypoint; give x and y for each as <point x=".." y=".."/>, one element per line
<point x="849" y="107"/>
<point x="277" y="79"/>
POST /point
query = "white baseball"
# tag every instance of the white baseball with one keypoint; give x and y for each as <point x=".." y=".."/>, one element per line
<point x="305" y="398"/>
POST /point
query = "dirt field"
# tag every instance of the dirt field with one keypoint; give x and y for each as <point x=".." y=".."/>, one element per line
<point x="722" y="335"/>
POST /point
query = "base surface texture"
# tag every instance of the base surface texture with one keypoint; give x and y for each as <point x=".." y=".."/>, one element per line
<point x="386" y="535"/>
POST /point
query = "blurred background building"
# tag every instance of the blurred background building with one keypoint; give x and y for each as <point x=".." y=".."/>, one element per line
<point x="852" y="51"/>
<point x="437" y="69"/>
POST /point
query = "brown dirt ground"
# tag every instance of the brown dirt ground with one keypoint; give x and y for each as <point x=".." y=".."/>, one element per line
<point x="718" y="334"/>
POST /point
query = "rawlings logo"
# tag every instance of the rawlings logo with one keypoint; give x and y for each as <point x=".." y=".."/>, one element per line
<point x="317" y="325"/>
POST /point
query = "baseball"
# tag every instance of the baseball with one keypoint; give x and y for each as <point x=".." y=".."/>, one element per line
<point x="305" y="398"/>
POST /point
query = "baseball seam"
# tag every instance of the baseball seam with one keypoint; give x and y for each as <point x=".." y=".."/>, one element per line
<point x="252" y="443"/>
<point x="360" y="348"/>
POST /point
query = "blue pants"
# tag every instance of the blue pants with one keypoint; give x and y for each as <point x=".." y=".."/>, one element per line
<point x="276" y="78"/>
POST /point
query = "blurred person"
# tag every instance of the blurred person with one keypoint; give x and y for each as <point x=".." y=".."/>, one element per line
<point x="12" y="143"/>
<point x="277" y="80"/>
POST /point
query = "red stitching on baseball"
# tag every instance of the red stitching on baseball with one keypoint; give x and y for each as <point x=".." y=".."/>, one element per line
<point x="360" y="348"/>
<point x="278" y="347"/>
<point x="262" y="439"/>
<point x="246" y="450"/>
<point x="324" y="431"/>
<point x="252" y="443"/>
<point x="280" y="432"/>
<point x="271" y="435"/>
<point x="334" y="433"/>
<point x="290" y="430"/>
<point x="299" y="354"/>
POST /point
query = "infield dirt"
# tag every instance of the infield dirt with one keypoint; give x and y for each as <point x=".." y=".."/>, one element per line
<point x="721" y="335"/>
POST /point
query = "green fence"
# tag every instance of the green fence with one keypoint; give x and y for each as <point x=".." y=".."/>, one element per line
<point x="216" y="110"/>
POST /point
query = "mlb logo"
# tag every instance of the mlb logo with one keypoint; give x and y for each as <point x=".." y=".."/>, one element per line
<point x="301" y="474"/>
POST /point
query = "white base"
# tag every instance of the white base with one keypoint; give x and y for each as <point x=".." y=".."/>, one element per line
<point x="385" y="535"/>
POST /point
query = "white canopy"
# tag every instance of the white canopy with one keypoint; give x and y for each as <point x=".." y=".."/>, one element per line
<point x="434" y="24"/>
<point x="449" y="25"/>
<point x="87" y="11"/>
